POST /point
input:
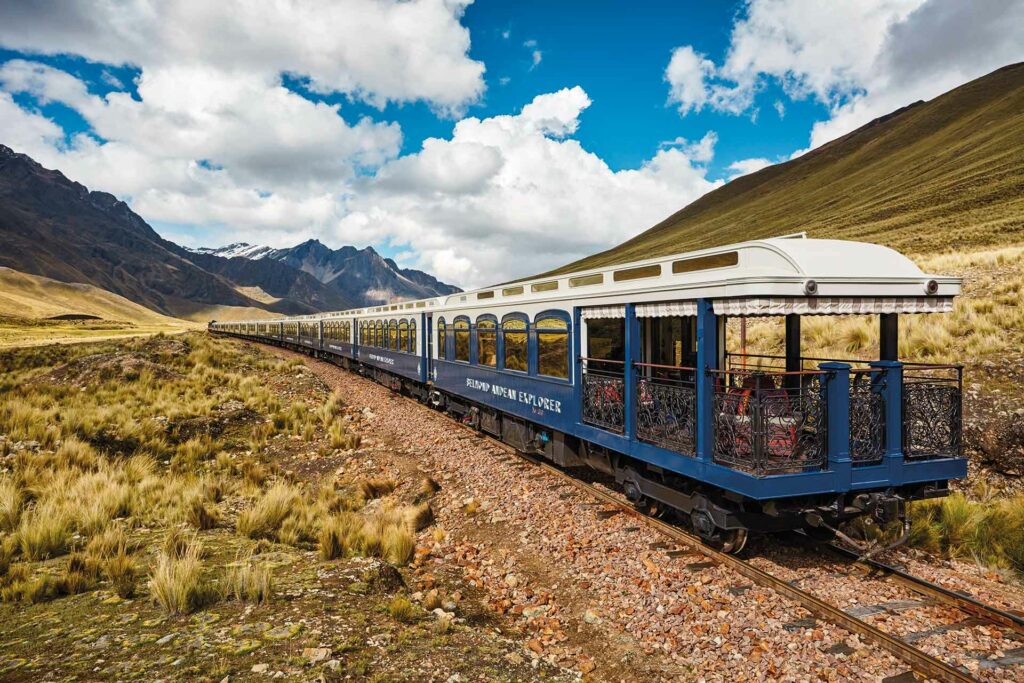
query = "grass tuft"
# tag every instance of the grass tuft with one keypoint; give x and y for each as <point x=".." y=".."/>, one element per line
<point x="401" y="609"/>
<point x="249" y="582"/>
<point x="176" y="584"/>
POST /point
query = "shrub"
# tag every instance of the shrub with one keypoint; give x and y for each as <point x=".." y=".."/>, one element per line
<point x="201" y="517"/>
<point x="419" y="517"/>
<point x="339" y="535"/>
<point x="341" y="438"/>
<point x="80" y="575"/>
<point x="249" y="582"/>
<point x="176" y="584"/>
<point x="429" y="487"/>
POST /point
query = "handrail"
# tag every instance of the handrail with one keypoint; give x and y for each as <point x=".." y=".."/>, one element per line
<point x="664" y="367"/>
<point x="603" y="360"/>
<point x="771" y="373"/>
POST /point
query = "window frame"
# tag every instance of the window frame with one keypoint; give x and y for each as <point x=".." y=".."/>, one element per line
<point x="442" y="339"/>
<point x="467" y="330"/>
<point x="412" y="336"/>
<point x="403" y="335"/>
<point x="536" y="330"/>
<point x="509" y="317"/>
<point x="493" y="320"/>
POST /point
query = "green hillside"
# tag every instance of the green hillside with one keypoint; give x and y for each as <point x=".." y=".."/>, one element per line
<point x="934" y="176"/>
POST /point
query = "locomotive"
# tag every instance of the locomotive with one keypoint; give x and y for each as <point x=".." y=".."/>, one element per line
<point x="626" y="369"/>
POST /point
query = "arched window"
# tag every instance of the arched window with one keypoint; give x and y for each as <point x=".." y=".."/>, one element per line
<point x="513" y="332"/>
<point x="393" y="335"/>
<point x="552" y="345"/>
<point x="442" y="339"/>
<point x="487" y="340"/>
<point x="403" y="336"/>
<point x="461" y="327"/>
<point x="362" y="333"/>
<point x="412" y="336"/>
<point x="380" y="334"/>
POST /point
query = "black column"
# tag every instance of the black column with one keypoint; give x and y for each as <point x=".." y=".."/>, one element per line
<point x="793" y="349"/>
<point x="888" y="337"/>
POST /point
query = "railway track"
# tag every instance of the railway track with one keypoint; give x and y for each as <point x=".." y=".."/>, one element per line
<point x="920" y="662"/>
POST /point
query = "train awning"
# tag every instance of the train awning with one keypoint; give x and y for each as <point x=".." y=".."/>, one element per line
<point x="832" y="305"/>
<point x="593" y="312"/>
<point x="664" y="309"/>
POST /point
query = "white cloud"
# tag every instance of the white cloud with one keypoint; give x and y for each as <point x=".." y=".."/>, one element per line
<point x="701" y="151"/>
<point x="860" y="58"/>
<point x="512" y="195"/>
<point x="378" y="50"/>
<point x="747" y="166"/>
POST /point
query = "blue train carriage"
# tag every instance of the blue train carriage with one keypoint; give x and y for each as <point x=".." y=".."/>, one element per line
<point x="635" y="371"/>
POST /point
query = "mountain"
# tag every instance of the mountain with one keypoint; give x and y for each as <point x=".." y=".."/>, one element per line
<point x="55" y="228"/>
<point x="359" y="275"/>
<point x="936" y="175"/>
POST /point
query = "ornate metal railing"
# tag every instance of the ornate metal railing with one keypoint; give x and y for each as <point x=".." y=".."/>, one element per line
<point x="666" y="406"/>
<point x="769" y="423"/>
<point x="867" y="416"/>
<point x="932" y="411"/>
<point x="604" y="393"/>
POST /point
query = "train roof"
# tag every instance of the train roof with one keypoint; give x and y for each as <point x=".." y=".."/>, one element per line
<point x="788" y="266"/>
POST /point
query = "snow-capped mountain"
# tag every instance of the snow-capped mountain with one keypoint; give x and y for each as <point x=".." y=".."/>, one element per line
<point x="360" y="275"/>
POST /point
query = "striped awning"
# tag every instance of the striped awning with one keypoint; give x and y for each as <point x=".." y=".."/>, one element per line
<point x="592" y="312"/>
<point x="832" y="305"/>
<point x="666" y="309"/>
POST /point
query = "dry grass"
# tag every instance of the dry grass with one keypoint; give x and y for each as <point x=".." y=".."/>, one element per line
<point x="120" y="570"/>
<point x="377" y="487"/>
<point x="176" y="584"/>
<point x="401" y="609"/>
<point x="266" y="518"/>
<point x="249" y="582"/>
<point x="991" y="532"/>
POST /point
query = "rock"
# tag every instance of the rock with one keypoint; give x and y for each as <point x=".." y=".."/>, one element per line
<point x="381" y="576"/>
<point x="314" y="655"/>
<point x="585" y="666"/>
<point x="535" y="645"/>
<point x="286" y="632"/>
<point x="260" y="668"/>
<point x="166" y="639"/>
<point x="591" y="616"/>
<point x="449" y="606"/>
<point x="333" y="665"/>
<point x="511" y="581"/>
<point x="514" y="658"/>
<point x="535" y="611"/>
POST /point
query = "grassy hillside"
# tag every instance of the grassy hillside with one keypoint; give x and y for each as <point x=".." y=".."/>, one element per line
<point x="34" y="310"/>
<point x="933" y="177"/>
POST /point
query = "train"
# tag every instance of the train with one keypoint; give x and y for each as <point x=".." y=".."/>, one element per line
<point x="642" y="372"/>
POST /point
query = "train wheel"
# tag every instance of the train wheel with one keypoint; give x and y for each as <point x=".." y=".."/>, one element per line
<point x="732" y="541"/>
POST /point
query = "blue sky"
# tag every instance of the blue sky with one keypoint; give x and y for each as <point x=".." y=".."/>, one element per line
<point x="477" y="140"/>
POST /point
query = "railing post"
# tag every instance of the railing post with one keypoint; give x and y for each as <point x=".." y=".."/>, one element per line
<point x="707" y="359"/>
<point x="892" y="392"/>
<point x="837" y="407"/>
<point x="632" y="352"/>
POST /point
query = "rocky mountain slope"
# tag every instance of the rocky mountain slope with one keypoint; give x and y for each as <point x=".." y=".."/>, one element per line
<point x="53" y="227"/>
<point x="936" y="175"/>
<point x="360" y="275"/>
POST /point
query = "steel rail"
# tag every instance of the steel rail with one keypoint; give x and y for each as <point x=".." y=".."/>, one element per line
<point x="936" y="591"/>
<point x="921" y="662"/>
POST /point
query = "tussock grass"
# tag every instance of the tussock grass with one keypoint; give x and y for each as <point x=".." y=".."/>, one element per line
<point x="267" y="516"/>
<point x="44" y="532"/>
<point x="176" y="584"/>
<point x="377" y="487"/>
<point x="249" y="582"/>
<point x="400" y="609"/>
<point x="11" y="501"/>
<point x="120" y="570"/>
<point x="990" y="532"/>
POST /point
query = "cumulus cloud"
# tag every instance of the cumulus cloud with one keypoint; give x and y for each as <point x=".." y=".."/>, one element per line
<point x="520" y="195"/>
<point x="861" y="58"/>
<point x="379" y="51"/>
<point x="747" y="166"/>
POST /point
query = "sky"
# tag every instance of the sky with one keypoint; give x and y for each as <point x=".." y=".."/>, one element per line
<point x="477" y="141"/>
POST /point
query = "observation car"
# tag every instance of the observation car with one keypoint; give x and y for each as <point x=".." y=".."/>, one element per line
<point x="625" y="369"/>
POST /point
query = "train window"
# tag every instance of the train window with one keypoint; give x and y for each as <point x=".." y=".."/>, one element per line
<point x="584" y="280"/>
<point x="513" y="333"/>
<point x="442" y="348"/>
<point x="548" y="286"/>
<point x="512" y="291"/>
<point x="636" y="273"/>
<point x="379" y="335"/>
<point x="487" y="341"/>
<point x="412" y="336"/>
<point x="461" y="327"/>
<point x="691" y="265"/>
<point x="485" y="295"/>
<point x="403" y="336"/>
<point x="552" y="346"/>
<point x="393" y="335"/>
